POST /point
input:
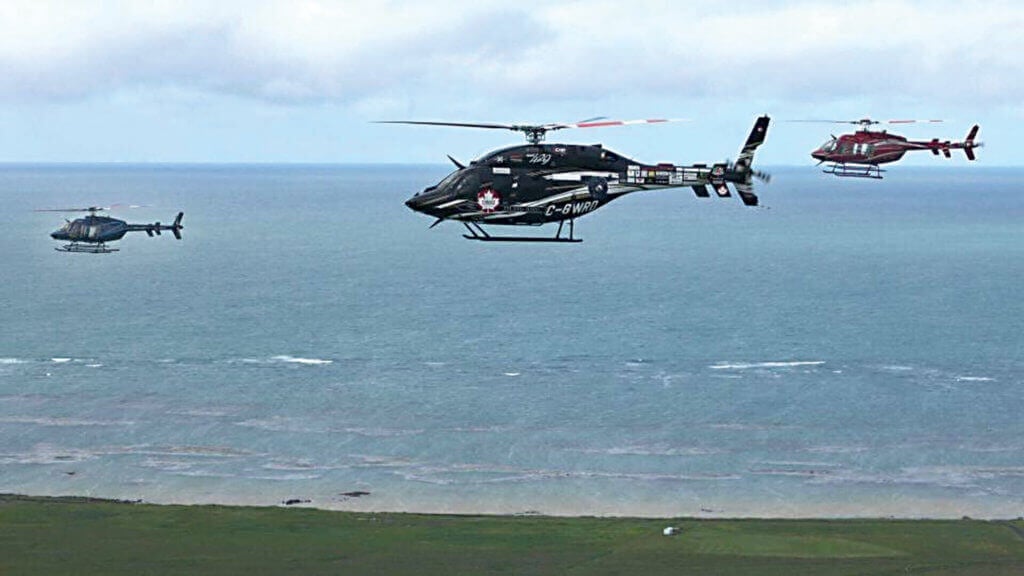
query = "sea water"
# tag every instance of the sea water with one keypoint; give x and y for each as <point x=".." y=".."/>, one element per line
<point x="852" y="348"/>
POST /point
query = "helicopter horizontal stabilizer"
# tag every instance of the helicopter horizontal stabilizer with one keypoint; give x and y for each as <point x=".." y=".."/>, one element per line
<point x="701" y="191"/>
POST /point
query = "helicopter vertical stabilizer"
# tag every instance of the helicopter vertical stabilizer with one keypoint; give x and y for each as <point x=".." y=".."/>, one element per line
<point x="176" y="227"/>
<point x="742" y="171"/>
<point x="969" y="144"/>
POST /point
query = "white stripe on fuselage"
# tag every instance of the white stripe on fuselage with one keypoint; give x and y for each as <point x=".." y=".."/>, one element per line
<point x="580" y="175"/>
<point x="450" y="204"/>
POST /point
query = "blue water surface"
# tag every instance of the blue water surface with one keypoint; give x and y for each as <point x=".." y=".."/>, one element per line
<point x="851" y="349"/>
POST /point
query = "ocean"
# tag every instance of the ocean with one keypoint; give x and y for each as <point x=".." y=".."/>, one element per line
<point x="850" y="349"/>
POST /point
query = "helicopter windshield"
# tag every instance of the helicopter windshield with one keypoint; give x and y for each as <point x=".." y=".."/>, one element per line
<point x="444" y="183"/>
<point x="449" y="179"/>
<point x="457" y="182"/>
<point x="468" y="180"/>
<point x="828" y="146"/>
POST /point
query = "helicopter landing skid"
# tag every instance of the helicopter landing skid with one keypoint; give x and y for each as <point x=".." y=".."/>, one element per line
<point x="844" y="171"/>
<point x="86" y="248"/>
<point x="476" y="232"/>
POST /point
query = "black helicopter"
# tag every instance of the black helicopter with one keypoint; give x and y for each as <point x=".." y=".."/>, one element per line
<point x="536" y="183"/>
<point x="91" y="233"/>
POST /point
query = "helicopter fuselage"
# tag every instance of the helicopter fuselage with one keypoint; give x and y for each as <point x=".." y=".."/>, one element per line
<point x="91" y="233"/>
<point x="92" y="229"/>
<point x="868" y="147"/>
<point x="538" y="183"/>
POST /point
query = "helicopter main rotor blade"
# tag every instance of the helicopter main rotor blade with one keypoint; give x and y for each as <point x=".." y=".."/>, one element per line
<point x="602" y="123"/>
<point x="864" y="121"/>
<point x="535" y="133"/>
<point x="457" y="124"/>
<point x="89" y="209"/>
<point x="93" y="208"/>
<point x="867" y="121"/>
<point x="596" y="122"/>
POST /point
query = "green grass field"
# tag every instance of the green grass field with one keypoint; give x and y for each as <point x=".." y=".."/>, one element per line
<point x="81" y="536"/>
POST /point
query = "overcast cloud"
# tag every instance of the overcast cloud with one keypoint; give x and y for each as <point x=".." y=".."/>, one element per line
<point x="284" y="80"/>
<point x="347" y="51"/>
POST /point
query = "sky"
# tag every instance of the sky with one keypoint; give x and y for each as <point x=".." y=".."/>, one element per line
<point x="300" y="81"/>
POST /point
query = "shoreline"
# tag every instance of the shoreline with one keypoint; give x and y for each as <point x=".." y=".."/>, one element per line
<point x="301" y="503"/>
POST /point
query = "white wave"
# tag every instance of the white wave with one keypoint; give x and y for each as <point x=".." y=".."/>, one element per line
<point x="198" y="412"/>
<point x="291" y="465"/>
<point x="512" y="373"/>
<point x="835" y="449"/>
<point x="167" y="465"/>
<point x="799" y="463"/>
<point x="48" y="454"/>
<point x="746" y="365"/>
<point x="282" y="359"/>
<point x="974" y="379"/>
<point x="495" y="474"/>
<point x="435" y="364"/>
<point x="94" y="365"/>
<point x="60" y="360"/>
<point x="13" y="361"/>
<point x="46" y="421"/>
<point x="790" y="472"/>
<point x="482" y="429"/>
<point x="957" y="477"/>
<point x="641" y="450"/>
<point x="284" y="477"/>
<point x="754" y="427"/>
<point x="202" y="474"/>
<point x="307" y="361"/>
<point x="382" y="432"/>
<point x="185" y="450"/>
<point x="897" y="368"/>
<point x="992" y="448"/>
<point x="426" y="479"/>
<point x="280" y="424"/>
<point x="375" y="461"/>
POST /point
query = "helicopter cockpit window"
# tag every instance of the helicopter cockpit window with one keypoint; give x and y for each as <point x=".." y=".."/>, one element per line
<point x="608" y="157"/>
<point x="466" y="183"/>
<point x="443" y="183"/>
<point x="449" y="179"/>
<point x="828" y="146"/>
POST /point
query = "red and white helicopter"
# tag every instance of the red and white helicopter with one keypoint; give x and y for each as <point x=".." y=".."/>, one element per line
<point x="860" y="154"/>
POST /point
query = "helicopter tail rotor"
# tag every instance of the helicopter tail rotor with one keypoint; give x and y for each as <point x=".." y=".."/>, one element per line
<point x="742" y="173"/>
<point x="176" y="227"/>
<point x="970" y="144"/>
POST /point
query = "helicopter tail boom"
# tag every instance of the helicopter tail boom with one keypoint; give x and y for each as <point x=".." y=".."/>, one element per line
<point x="156" y="227"/>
